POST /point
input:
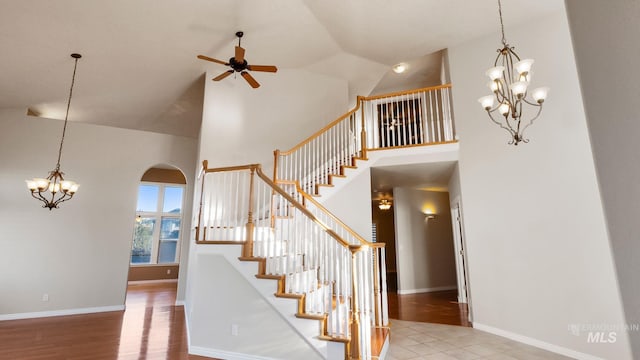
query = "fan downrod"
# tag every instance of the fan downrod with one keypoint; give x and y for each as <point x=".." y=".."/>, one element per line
<point x="235" y="65"/>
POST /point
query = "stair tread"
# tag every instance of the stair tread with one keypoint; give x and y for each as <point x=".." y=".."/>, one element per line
<point x="270" y="277"/>
<point x="289" y="296"/>
<point x="219" y="242"/>
<point x="334" y="338"/>
<point x="250" y="258"/>
<point x="310" y="316"/>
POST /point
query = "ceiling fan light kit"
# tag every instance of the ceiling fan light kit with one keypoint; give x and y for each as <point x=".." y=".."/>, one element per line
<point x="238" y="63"/>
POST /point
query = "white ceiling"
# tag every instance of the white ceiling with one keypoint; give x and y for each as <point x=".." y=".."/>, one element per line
<point x="433" y="176"/>
<point x="139" y="68"/>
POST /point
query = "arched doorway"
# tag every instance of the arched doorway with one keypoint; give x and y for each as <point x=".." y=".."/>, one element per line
<point x="155" y="245"/>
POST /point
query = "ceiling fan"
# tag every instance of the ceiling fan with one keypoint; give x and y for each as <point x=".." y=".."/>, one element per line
<point x="239" y="64"/>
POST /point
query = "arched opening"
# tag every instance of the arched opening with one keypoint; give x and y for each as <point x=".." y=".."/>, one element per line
<point x="155" y="246"/>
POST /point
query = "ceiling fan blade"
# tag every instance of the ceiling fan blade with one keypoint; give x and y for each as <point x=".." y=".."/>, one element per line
<point x="265" y="68"/>
<point x="239" y="54"/>
<point x="223" y="75"/>
<point x="202" y="57"/>
<point x="254" y="84"/>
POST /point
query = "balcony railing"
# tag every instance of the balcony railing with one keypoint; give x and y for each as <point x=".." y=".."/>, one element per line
<point x="410" y="118"/>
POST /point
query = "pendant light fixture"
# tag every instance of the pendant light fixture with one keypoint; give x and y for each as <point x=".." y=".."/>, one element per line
<point x="54" y="189"/>
<point x="384" y="204"/>
<point x="510" y="78"/>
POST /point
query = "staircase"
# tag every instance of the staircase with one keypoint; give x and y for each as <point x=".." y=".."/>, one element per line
<point x="384" y="122"/>
<point x="335" y="278"/>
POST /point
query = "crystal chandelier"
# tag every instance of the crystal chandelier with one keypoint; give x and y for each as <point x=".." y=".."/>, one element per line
<point x="54" y="189"/>
<point x="510" y="78"/>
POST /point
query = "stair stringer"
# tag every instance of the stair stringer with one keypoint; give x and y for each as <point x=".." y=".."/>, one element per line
<point x="308" y="329"/>
<point x="388" y="157"/>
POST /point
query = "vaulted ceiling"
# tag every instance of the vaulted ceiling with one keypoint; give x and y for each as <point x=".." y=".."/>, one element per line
<point x="139" y="68"/>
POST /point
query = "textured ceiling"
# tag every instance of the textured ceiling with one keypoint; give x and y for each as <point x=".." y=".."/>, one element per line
<point x="139" y="69"/>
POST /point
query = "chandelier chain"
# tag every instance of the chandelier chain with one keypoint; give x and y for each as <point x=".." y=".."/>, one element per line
<point x="504" y="40"/>
<point x="66" y="116"/>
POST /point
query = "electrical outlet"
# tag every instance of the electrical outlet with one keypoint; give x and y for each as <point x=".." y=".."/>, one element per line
<point x="234" y="330"/>
<point x="45" y="297"/>
<point x="168" y="271"/>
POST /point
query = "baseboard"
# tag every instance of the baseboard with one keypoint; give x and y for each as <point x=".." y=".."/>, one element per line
<point x="426" y="290"/>
<point x="214" y="353"/>
<point x="40" y="314"/>
<point x="221" y="354"/>
<point x="187" y="327"/>
<point x="535" y="342"/>
<point x="134" y="282"/>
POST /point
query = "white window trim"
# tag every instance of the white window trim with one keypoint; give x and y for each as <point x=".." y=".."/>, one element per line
<point x="158" y="215"/>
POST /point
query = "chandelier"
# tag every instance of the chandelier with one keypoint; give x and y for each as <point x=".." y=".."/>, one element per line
<point x="510" y="78"/>
<point x="54" y="189"/>
<point x="384" y="204"/>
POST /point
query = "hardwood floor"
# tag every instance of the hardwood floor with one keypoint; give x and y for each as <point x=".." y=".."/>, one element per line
<point x="436" y="307"/>
<point x="151" y="328"/>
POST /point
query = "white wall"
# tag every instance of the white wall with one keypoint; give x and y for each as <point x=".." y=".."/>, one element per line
<point x="612" y="116"/>
<point x="352" y="203"/>
<point x="219" y="302"/>
<point x="455" y="192"/>
<point x="425" y="259"/>
<point x="538" y="250"/>
<point x="78" y="254"/>
<point x="242" y="125"/>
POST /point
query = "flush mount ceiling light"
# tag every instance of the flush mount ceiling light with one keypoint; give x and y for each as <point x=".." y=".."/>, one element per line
<point x="400" y="68"/>
<point x="384" y="204"/>
<point x="54" y="189"/>
<point x="510" y="78"/>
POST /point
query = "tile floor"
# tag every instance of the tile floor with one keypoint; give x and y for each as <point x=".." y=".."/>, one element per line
<point x="417" y="341"/>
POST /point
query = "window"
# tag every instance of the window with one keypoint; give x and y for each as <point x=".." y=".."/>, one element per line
<point x="156" y="237"/>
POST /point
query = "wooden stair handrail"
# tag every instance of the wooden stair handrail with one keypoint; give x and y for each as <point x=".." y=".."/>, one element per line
<point x="323" y="130"/>
<point x="276" y="188"/>
<point x="300" y="207"/>
<point x="360" y="100"/>
<point x="310" y="198"/>
<point x="405" y="92"/>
